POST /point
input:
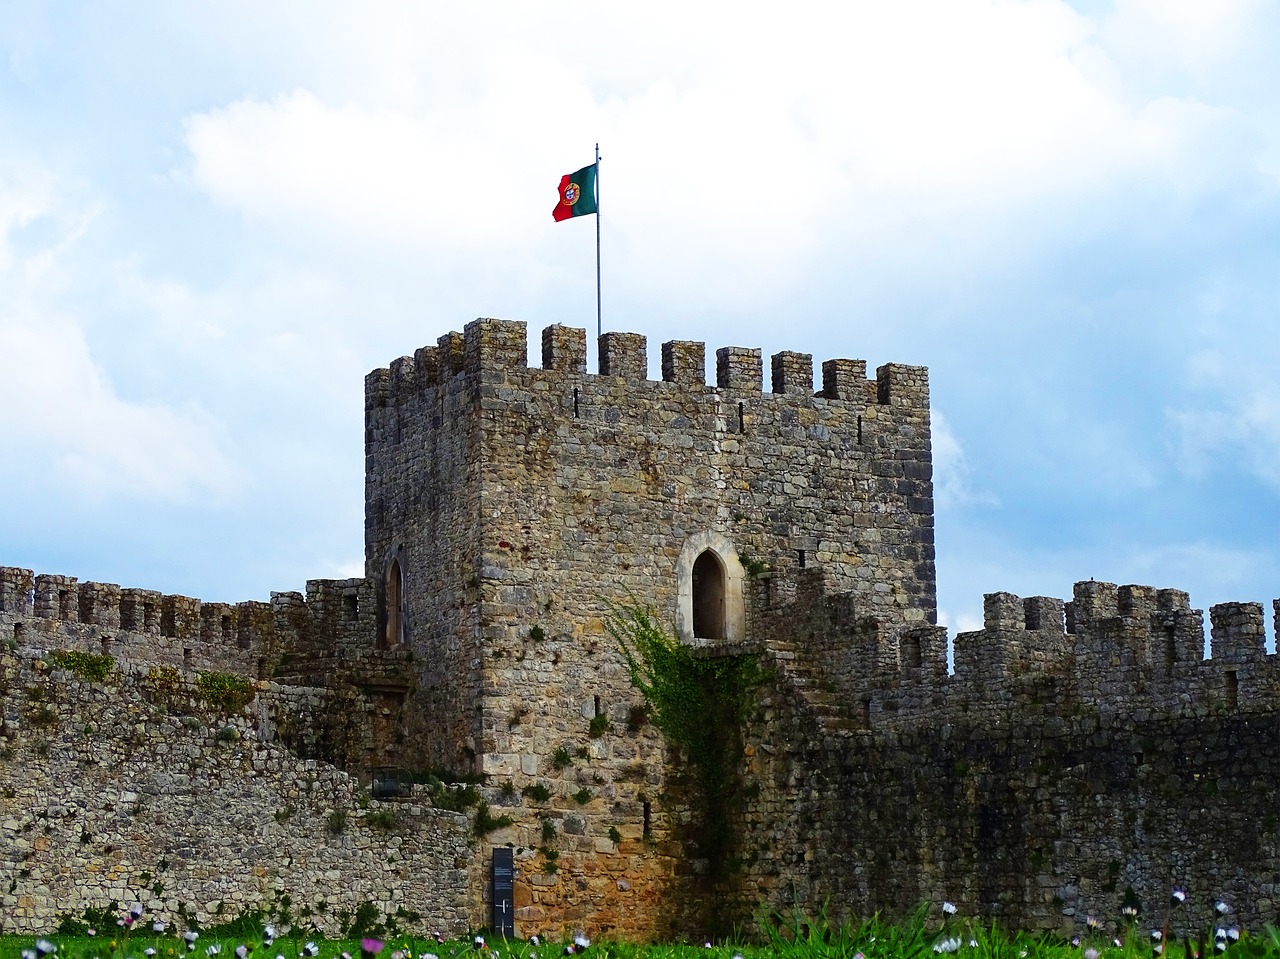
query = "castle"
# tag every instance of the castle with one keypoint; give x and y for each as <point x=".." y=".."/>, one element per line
<point x="208" y="759"/>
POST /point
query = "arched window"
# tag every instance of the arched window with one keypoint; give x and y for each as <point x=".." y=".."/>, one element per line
<point x="393" y="631"/>
<point x="709" y="590"/>
<point x="708" y="596"/>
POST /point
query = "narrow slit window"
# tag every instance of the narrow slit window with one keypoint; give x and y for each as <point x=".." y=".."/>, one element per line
<point x="393" y="634"/>
<point x="911" y="656"/>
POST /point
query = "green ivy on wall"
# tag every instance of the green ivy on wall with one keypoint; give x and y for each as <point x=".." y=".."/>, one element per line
<point x="700" y="703"/>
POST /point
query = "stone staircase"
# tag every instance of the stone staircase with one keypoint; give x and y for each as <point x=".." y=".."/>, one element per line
<point x="831" y="714"/>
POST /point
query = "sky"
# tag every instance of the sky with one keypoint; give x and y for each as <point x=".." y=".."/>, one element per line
<point x="215" y="218"/>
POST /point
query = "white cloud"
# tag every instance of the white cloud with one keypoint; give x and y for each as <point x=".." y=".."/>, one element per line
<point x="74" y="426"/>
<point x="1237" y="423"/>
<point x="951" y="471"/>
<point x="737" y="148"/>
<point x="87" y="435"/>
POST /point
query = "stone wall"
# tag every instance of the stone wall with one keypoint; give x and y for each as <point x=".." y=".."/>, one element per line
<point x="135" y="788"/>
<point x="145" y="787"/>
<point x="1078" y="750"/>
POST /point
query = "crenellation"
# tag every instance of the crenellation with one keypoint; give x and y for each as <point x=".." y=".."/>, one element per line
<point x="404" y="374"/>
<point x="17" y="591"/>
<point x="377" y="390"/>
<point x="140" y="610"/>
<point x="792" y="373"/>
<point x="1136" y="602"/>
<point x="56" y="598"/>
<point x="1173" y="601"/>
<point x="1094" y="601"/>
<point x="180" y="617"/>
<point x="100" y="604"/>
<point x="1003" y="612"/>
<point x="1180" y="639"/>
<point x="491" y="345"/>
<point x="450" y="349"/>
<point x="900" y="385"/>
<point x="564" y="349"/>
<point x="1238" y="633"/>
<point x="845" y="380"/>
<point x="426" y="360"/>
<point x="739" y="369"/>
<point x="922" y="655"/>
<point x="218" y="626"/>
<point x="624" y="355"/>
<point x="255" y="624"/>
<point x="684" y="362"/>
<point x="1044" y="613"/>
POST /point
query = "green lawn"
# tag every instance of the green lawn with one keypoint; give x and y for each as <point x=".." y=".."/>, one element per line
<point x="793" y="940"/>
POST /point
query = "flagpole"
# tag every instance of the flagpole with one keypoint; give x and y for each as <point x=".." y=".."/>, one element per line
<point x="599" y="327"/>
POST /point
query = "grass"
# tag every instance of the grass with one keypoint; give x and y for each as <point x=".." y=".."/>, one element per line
<point x="783" y="938"/>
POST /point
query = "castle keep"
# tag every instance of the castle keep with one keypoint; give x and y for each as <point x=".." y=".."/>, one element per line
<point x="234" y="757"/>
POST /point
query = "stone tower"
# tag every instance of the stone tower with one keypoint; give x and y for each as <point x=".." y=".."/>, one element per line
<point x="509" y="508"/>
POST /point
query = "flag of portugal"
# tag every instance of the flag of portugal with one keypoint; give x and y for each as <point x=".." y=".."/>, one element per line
<point x="577" y="194"/>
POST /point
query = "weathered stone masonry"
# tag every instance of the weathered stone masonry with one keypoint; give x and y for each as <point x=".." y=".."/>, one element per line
<point x="1078" y="750"/>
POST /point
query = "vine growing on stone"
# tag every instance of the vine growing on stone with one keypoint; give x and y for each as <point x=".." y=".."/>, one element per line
<point x="700" y="703"/>
<point x="94" y="667"/>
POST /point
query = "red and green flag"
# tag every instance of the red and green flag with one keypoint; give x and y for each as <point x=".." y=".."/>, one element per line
<point x="577" y="194"/>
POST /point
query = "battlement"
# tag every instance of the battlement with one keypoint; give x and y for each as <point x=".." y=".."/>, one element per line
<point x="1123" y="647"/>
<point x="499" y="348"/>
<point x="248" y="637"/>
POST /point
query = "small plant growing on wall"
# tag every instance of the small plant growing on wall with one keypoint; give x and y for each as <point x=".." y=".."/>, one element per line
<point x="337" y="821"/>
<point x="599" y="725"/>
<point x="537" y="792"/>
<point x="562" y="758"/>
<point x="94" y="667"/>
<point x="582" y="796"/>
<point x="384" y="819"/>
<point x="615" y="837"/>
<point x="225" y="691"/>
<point x="486" y="822"/>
